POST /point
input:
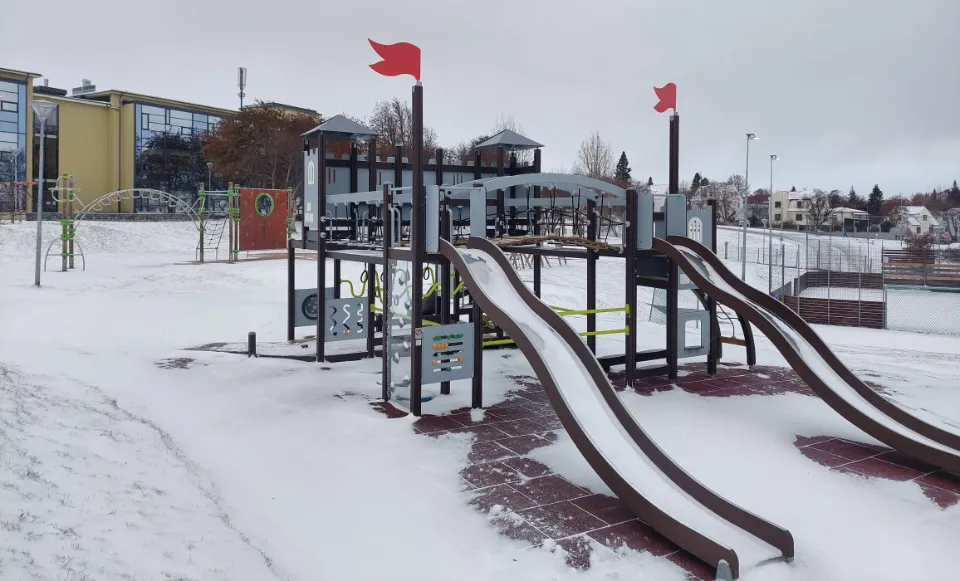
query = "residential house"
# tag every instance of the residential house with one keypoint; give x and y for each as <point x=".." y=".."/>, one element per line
<point x="850" y="218"/>
<point x="789" y="208"/>
<point x="917" y="220"/>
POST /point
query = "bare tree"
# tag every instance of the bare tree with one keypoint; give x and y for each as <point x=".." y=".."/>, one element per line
<point x="951" y="222"/>
<point x="393" y="121"/>
<point x="818" y="209"/>
<point x="726" y="196"/>
<point x="595" y="158"/>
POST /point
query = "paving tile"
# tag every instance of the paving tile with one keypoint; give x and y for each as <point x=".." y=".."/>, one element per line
<point x="514" y="412"/>
<point x="488" y="452"/>
<point x="880" y="469"/>
<point x="527" y="467"/>
<point x="846" y="449"/>
<point x="694" y="567"/>
<point x="432" y="424"/>
<point x="823" y="458"/>
<point x="943" y="480"/>
<point x="901" y="459"/>
<point x="636" y="536"/>
<point x="535" y="396"/>
<point x="466" y="419"/>
<point x="521" y="427"/>
<point x="503" y="495"/>
<point x="523" y="445"/>
<point x="550" y="422"/>
<point x="579" y="551"/>
<point x="607" y="508"/>
<point x="802" y="441"/>
<point x="514" y="527"/>
<point x="561" y="519"/>
<point x="386" y="408"/>
<point x="549" y="489"/>
<point x="739" y="391"/>
<point x="943" y="498"/>
<point x="489" y="474"/>
<point x="481" y="433"/>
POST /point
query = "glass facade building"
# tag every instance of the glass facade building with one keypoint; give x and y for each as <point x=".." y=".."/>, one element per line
<point x="51" y="157"/>
<point x="168" y="152"/>
<point x="13" y="134"/>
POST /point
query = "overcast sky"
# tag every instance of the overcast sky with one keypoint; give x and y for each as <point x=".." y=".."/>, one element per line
<point x="846" y="92"/>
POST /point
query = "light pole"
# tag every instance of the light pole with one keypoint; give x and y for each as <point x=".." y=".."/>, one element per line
<point x="743" y="210"/>
<point x="242" y="83"/>
<point x="773" y="158"/>
<point x="209" y="175"/>
<point x="42" y="109"/>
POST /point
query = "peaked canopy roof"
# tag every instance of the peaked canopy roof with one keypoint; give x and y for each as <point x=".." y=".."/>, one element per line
<point x="507" y="139"/>
<point x="342" y="127"/>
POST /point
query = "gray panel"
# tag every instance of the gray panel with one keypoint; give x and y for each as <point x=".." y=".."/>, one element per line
<point x="478" y="213"/>
<point x="676" y="209"/>
<point x="346" y="319"/>
<point x="703" y="319"/>
<point x="305" y="313"/>
<point x="447" y="352"/>
<point x="432" y="226"/>
<point x="644" y="220"/>
<point x="700" y="226"/>
<point x="311" y="189"/>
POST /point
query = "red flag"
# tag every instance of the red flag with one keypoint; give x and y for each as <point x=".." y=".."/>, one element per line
<point x="668" y="97"/>
<point x="401" y="58"/>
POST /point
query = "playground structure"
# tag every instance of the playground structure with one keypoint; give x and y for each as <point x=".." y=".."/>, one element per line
<point x="466" y="228"/>
<point x="65" y="194"/>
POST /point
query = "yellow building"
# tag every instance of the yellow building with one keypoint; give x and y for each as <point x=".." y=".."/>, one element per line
<point x="107" y="140"/>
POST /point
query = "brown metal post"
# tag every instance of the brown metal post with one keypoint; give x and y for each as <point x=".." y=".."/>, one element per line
<point x="354" y="187"/>
<point x="630" y="286"/>
<point x="321" y="243"/>
<point x="591" y="276"/>
<point x="445" y="270"/>
<point x="371" y="183"/>
<point x="385" y="290"/>
<point x="501" y="213"/>
<point x="418" y="247"/>
<point x="537" y="264"/>
<point x="230" y="203"/>
<point x="675" y="153"/>
<point x="372" y="300"/>
<point x="291" y="288"/>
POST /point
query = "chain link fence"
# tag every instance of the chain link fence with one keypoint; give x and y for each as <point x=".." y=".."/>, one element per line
<point x="873" y="283"/>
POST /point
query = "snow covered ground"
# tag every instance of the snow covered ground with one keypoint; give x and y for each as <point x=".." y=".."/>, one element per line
<point x="126" y="457"/>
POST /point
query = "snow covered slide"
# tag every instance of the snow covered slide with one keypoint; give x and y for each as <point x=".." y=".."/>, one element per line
<point x="644" y="478"/>
<point x="810" y="357"/>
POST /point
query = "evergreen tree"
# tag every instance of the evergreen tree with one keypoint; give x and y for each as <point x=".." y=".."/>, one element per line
<point x="875" y="201"/>
<point x="650" y="181"/>
<point x="954" y="195"/>
<point x="853" y="199"/>
<point x="622" y="174"/>
<point x="697" y="182"/>
<point x="793" y="188"/>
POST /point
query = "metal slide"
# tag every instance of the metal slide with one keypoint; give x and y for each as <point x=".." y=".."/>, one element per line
<point x="810" y="357"/>
<point x="644" y="478"/>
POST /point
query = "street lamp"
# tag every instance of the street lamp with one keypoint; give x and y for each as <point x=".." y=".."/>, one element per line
<point x="209" y="175"/>
<point x="42" y="109"/>
<point x="773" y="158"/>
<point x="743" y="210"/>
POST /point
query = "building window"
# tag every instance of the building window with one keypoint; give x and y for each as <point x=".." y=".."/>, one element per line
<point x="168" y="153"/>
<point x="924" y="217"/>
<point x="51" y="158"/>
<point x="918" y="229"/>
<point x="776" y="204"/>
<point x="776" y="217"/>
<point x="799" y="217"/>
<point x="13" y="142"/>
